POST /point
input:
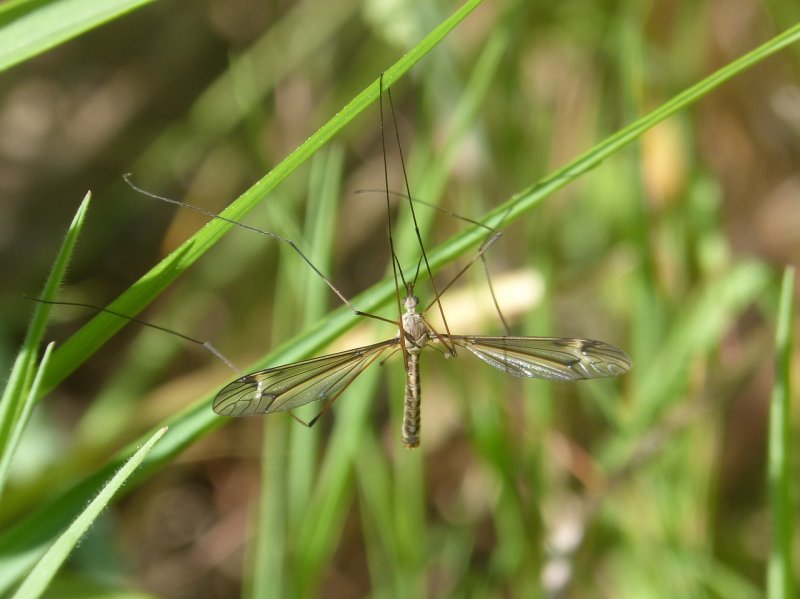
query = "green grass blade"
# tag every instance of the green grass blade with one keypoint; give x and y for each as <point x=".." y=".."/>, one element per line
<point x="34" y="532"/>
<point x="21" y="375"/>
<point x="24" y="543"/>
<point x="26" y="539"/>
<point x="41" y="575"/>
<point x="781" y="582"/>
<point x="86" y="341"/>
<point x="268" y="568"/>
<point x="24" y="415"/>
<point x="333" y="491"/>
<point x="527" y="198"/>
<point x="30" y="27"/>
<point x="377" y="513"/>
<point x="286" y="484"/>
<point x="324" y="184"/>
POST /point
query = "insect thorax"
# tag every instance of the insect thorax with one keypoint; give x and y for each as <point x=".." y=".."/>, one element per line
<point x="414" y="325"/>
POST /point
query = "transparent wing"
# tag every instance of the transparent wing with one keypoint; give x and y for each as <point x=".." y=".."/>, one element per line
<point x="287" y="387"/>
<point x="556" y="358"/>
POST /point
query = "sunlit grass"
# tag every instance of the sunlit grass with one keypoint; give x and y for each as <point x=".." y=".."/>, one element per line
<point x="604" y="488"/>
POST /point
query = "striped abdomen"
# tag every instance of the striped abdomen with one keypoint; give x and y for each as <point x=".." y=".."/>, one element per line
<point x="411" y="407"/>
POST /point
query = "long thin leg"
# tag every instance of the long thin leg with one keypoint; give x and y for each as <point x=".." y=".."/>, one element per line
<point x="413" y="212"/>
<point x="493" y="236"/>
<point x="204" y="344"/>
<point x="285" y="240"/>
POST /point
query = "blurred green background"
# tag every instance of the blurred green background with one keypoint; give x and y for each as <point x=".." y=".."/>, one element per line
<point x="650" y="485"/>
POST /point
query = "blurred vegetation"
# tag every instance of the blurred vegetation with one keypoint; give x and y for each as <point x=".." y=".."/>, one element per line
<point x="651" y="485"/>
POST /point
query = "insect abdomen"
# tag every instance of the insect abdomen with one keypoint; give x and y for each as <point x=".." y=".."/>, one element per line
<point x="411" y="408"/>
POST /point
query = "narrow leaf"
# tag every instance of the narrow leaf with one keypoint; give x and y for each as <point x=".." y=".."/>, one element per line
<point x="30" y="27"/>
<point x="41" y="575"/>
<point x="781" y="583"/>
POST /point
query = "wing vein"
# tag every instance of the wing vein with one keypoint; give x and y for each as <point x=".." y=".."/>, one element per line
<point x="555" y="358"/>
<point x="286" y="387"/>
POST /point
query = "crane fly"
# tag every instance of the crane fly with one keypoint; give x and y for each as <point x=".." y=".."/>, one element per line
<point x="325" y="378"/>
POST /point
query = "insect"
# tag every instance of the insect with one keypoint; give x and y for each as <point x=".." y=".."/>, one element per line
<point x="325" y="378"/>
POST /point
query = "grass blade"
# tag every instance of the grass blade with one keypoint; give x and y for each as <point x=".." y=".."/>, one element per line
<point x="780" y="574"/>
<point x="24" y="543"/>
<point x="18" y="386"/>
<point x="86" y="341"/>
<point x="41" y="575"/>
<point x="28" y="28"/>
<point x="191" y="424"/>
<point x="24" y="415"/>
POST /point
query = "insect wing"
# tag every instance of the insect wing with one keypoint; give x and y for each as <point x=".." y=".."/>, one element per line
<point x="555" y="358"/>
<point x="287" y="387"/>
